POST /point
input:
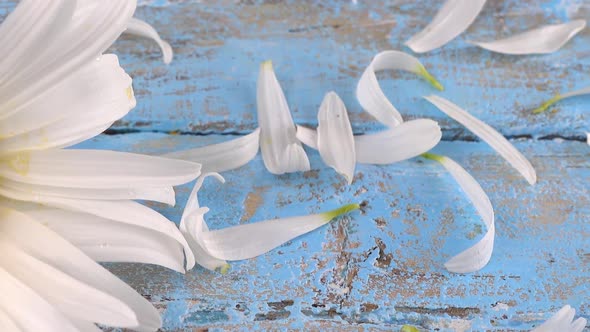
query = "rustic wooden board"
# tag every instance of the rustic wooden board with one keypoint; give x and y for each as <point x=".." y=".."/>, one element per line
<point x="318" y="46"/>
<point x="381" y="268"/>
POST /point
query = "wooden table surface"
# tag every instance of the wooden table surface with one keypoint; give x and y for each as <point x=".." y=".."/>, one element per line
<point x="383" y="267"/>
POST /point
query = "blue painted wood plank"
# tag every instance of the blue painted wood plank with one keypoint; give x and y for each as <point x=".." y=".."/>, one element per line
<point x="318" y="46"/>
<point x="383" y="267"/>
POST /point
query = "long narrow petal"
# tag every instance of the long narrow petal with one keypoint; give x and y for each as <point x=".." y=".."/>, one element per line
<point x="488" y="135"/>
<point x="558" y="97"/>
<point x="97" y="169"/>
<point x="65" y="292"/>
<point x="97" y="89"/>
<point x="106" y="240"/>
<point x="7" y="323"/>
<point x="281" y="151"/>
<point x="156" y="194"/>
<point x="408" y="140"/>
<point x="563" y="320"/>
<point x="128" y="212"/>
<point x="251" y="240"/>
<point x="477" y="256"/>
<point x="140" y="28"/>
<point x="543" y="40"/>
<point x="335" y="138"/>
<point x="369" y="93"/>
<point x="45" y="245"/>
<point x="192" y="225"/>
<point x="18" y="301"/>
<point x="223" y="156"/>
<point x="452" y="19"/>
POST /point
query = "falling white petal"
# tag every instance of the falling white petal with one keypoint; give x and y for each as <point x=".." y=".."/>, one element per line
<point x="452" y="19"/>
<point x="558" y="97"/>
<point x="251" y="240"/>
<point x="98" y="169"/>
<point x="488" y="135"/>
<point x="408" y="140"/>
<point x="18" y="301"/>
<point x="192" y="225"/>
<point x="543" y="40"/>
<point x="140" y="28"/>
<point x="106" y="240"/>
<point x="335" y="138"/>
<point x="368" y="90"/>
<point x="477" y="256"/>
<point x="45" y="245"/>
<point x="563" y="320"/>
<point x="281" y="151"/>
<point x="224" y="156"/>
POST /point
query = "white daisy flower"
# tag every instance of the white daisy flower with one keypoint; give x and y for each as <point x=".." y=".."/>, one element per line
<point x="61" y="210"/>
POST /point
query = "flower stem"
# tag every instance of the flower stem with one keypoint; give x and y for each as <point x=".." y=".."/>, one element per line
<point x="432" y="156"/>
<point x="429" y="78"/>
<point x="547" y="104"/>
<point x="340" y="211"/>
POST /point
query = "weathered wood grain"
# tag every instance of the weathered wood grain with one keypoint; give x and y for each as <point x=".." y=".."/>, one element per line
<point x="318" y="46"/>
<point x="382" y="268"/>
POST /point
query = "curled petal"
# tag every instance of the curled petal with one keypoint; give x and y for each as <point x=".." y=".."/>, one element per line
<point x="477" y="256"/>
<point x="335" y="139"/>
<point x="223" y="156"/>
<point x="488" y="135"/>
<point x="140" y="28"/>
<point x="543" y="40"/>
<point x="408" y="140"/>
<point x="281" y="151"/>
<point x="369" y="93"/>
<point x="563" y="320"/>
<point x="192" y="225"/>
<point x="558" y="97"/>
<point x="405" y="141"/>
<point x="452" y="19"/>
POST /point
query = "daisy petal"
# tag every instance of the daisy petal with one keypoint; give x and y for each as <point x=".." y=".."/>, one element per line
<point x="408" y="140"/>
<point x="85" y="326"/>
<point x="156" y="194"/>
<point x="18" y="301"/>
<point x="140" y="28"/>
<point x="96" y="89"/>
<point x="192" y="225"/>
<point x="106" y="240"/>
<point x="8" y="325"/>
<point x="128" y="212"/>
<point x="251" y="240"/>
<point x="558" y="97"/>
<point x="369" y="93"/>
<point x="281" y="151"/>
<point x="65" y="257"/>
<point x="96" y="169"/>
<point x="307" y="136"/>
<point x="65" y="292"/>
<point x="563" y="320"/>
<point x="335" y="138"/>
<point x="69" y="45"/>
<point x="405" y="141"/>
<point x="543" y="40"/>
<point x="223" y="156"/>
<point x="477" y="256"/>
<point x="488" y="135"/>
<point x="452" y="19"/>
